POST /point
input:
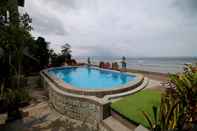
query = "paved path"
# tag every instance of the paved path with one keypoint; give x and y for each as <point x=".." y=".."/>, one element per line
<point x="155" y="85"/>
<point x="115" y="125"/>
<point x="42" y="118"/>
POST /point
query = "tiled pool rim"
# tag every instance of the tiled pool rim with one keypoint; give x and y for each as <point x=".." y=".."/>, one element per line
<point x="83" y="105"/>
<point x="138" y="80"/>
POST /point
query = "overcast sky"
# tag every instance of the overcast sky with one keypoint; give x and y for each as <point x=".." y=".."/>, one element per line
<point x="117" y="27"/>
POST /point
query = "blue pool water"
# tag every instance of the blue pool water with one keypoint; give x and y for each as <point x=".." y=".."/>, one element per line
<point x="91" y="78"/>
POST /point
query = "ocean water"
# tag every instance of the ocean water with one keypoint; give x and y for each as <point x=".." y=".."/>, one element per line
<point x="162" y="65"/>
<point x="90" y="78"/>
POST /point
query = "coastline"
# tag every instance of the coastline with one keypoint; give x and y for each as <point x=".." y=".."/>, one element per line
<point x="153" y="75"/>
<point x="154" y="65"/>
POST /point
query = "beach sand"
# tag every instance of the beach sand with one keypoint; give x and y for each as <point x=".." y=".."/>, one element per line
<point x="151" y="75"/>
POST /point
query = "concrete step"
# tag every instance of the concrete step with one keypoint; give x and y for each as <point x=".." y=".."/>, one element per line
<point x="33" y="110"/>
<point x="114" y="125"/>
<point x="122" y="120"/>
<point x="3" y="118"/>
<point x="115" y="97"/>
<point x="141" y="128"/>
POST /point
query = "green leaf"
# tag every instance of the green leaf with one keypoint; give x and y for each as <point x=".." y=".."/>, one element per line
<point x="155" y="114"/>
<point x="147" y="117"/>
<point x="186" y="81"/>
<point x="170" y="112"/>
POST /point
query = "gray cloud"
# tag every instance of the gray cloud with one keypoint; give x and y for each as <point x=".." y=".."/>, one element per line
<point x="186" y="6"/>
<point x="114" y="27"/>
<point x="44" y="24"/>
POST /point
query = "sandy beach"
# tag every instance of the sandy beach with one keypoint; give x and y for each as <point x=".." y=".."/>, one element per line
<point x="151" y="75"/>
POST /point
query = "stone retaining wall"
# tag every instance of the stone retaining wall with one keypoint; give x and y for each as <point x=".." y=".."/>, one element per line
<point x="85" y="108"/>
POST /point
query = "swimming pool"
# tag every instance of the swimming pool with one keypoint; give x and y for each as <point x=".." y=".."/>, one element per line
<point x="79" y="92"/>
<point x="92" y="78"/>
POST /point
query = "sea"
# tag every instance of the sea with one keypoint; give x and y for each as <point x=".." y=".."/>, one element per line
<point x="152" y="64"/>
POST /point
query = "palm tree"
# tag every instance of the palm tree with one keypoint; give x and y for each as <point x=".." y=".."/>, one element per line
<point x="66" y="51"/>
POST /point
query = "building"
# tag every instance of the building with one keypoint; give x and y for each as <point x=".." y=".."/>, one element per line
<point x="9" y="10"/>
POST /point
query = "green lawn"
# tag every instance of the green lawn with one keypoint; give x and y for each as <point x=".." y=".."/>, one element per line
<point x="132" y="106"/>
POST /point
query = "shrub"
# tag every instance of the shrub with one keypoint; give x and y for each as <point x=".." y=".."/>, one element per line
<point x="178" y="110"/>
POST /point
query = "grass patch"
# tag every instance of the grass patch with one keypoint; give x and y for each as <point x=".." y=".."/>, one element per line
<point x="132" y="106"/>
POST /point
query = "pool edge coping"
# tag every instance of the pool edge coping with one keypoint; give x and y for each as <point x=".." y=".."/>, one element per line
<point x="103" y="92"/>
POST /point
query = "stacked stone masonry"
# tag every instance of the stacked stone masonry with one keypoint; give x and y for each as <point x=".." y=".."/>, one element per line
<point x="77" y="108"/>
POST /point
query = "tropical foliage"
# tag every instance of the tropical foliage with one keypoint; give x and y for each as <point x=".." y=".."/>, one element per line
<point x="178" y="110"/>
<point x="66" y="51"/>
<point x="14" y="42"/>
<point x="62" y="58"/>
<point x="18" y="50"/>
<point x="39" y="50"/>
